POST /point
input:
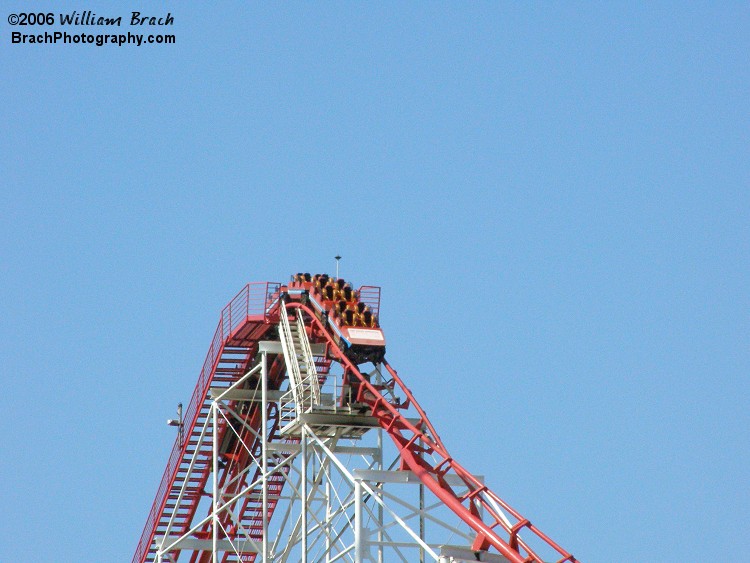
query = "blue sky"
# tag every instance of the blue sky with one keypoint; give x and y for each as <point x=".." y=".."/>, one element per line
<point x="553" y="196"/>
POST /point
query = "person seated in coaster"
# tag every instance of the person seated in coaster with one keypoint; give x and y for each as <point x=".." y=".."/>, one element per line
<point x="369" y="319"/>
<point x="348" y="317"/>
<point x="348" y="293"/>
<point x="341" y="306"/>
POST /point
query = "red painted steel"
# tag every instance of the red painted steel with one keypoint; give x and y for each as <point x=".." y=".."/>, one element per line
<point x="245" y="321"/>
<point x="242" y="322"/>
<point x="414" y="443"/>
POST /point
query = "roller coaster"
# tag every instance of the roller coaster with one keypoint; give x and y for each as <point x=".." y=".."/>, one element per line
<point x="302" y="443"/>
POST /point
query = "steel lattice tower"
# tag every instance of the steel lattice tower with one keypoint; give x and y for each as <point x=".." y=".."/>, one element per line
<point x="302" y="443"/>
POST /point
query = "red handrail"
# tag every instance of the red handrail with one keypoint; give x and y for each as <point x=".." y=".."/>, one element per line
<point x="253" y="301"/>
<point x="370" y="296"/>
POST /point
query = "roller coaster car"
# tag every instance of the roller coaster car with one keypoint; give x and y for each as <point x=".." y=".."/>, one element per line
<point x="360" y="342"/>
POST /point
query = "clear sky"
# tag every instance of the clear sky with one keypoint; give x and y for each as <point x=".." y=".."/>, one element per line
<point x="553" y="196"/>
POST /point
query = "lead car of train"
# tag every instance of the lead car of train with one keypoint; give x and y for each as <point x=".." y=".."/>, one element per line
<point x="352" y="315"/>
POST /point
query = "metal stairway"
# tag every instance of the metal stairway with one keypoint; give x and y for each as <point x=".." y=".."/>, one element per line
<point x="172" y="502"/>
<point x="300" y="363"/>
<point x="251" y="519"/>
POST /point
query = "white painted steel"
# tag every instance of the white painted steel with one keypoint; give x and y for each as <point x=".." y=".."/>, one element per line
<point x="339" y="503"/>
<point x="300" y="363"/>
<point x="215" y="500"/>
<point x="264" y="451"/>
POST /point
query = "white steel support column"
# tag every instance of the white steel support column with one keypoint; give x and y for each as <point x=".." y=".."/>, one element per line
<point x="421" y="517"/>
<point x="303" y="494"/>
<point x="358" y="550"/>
<point x="380" y="489"/>
<point x="215" y="449"/>
<point x="328" y="519"/>
<point x="264" y="452"/>
<point x="421" y="521"/>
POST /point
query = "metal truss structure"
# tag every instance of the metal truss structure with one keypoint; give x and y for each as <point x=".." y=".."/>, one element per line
<point x="293" y="451"/>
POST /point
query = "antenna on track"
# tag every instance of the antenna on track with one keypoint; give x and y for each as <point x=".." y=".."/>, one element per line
<point x="337" y="257"/>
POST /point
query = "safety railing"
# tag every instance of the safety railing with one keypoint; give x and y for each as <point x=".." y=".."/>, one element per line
<point x="253" y="300"/>
<point x="291" y="359"/>
<point x="287" y="409"/>
<point x="370" y="296"/>
<point x="334" y="398"/>
<point x="310" y="381"/>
